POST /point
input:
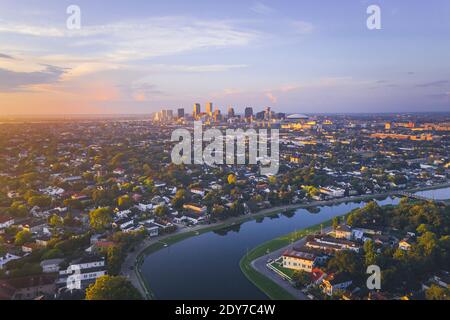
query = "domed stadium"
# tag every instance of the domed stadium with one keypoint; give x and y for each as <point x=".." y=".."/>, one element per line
<point x="297" y="116"/>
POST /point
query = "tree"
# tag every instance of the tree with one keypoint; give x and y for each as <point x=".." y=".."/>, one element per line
<point x="336" y="222"/>
<point x="370" y="253"/>
<point x="40" y="201"/>
<point x="346" y="261"/>
<point x="180" y="199"/>
<point x="22" y="237"/>
<point x="2" y="250"/>
<point x="100" y="218"/>
<point x="301" y="278"/>
<point x="112" y="288"/>
<point x="124" y="201"/>
<point x="232" y="179"/>
<point x="55" y="220"/>
<point x="437" y="293"/>
<point x="161" y="211"/>
<point x="18" y="209"/>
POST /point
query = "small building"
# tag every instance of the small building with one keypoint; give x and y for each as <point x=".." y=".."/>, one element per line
<point x="27" y="288"/>
<point x="334" y="282"/>
<point x="195" y="208"/>
<point x="82" y="273"/>
<point x="343" y="232"/>
<point x="7" y="258"/>
<point x="405" y="244"/>
<point x="51" y="265"/>
<point x="298" y="260"/>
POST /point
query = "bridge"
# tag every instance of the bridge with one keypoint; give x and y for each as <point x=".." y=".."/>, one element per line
<point x="419" y="197"/>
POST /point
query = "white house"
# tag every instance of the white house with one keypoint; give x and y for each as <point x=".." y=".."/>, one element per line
<point x="82" y="273"/>
<point x="7" y="258"/>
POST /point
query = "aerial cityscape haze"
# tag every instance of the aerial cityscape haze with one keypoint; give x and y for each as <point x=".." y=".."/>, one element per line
<point x="219" y="158"/>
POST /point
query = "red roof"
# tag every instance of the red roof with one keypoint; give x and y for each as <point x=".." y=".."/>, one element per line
<point x="5" y="219"/>
<point x="316" y="274"/>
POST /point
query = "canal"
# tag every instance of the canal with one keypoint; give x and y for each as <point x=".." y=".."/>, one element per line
<point x="207" y="266"/>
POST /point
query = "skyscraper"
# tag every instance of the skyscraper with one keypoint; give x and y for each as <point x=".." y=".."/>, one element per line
<point x="248" y="112"/>
<point x="209" y="108"/>
<point x="180" y="113"/>
<point x="231" y="112"/>
<point x="197" y="109"/>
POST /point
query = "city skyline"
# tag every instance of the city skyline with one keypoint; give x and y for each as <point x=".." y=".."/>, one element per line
<point x="296" y="57"/>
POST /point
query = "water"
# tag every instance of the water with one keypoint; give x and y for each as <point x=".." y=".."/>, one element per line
<point x="437" y="194"/>
<point x="207" y="266"/>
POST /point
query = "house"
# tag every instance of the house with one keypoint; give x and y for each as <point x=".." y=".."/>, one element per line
<point x="298" y="260"/>
<point x="80" y="274"/>
<point x="43" y="240"/>
<point x="29" y="247"/>
<point x="317" y="275"/>
<point x="6" y="222"/>
<point x="144" y="207"/>
<point x="334" y="282"/>
<point x="7" y="258"/>
<point x="327" y="243"/>
<point x="123" y="223"/>
<point x="51" y="265"/>
<point x="343" y="232"/>
<point x="35" y="226"/>
<point x="27" y="288"/>
<point x="198" y="191"/>
<point x="195" y="208"/>
<point x="405" y="244"/>
<point x="152" y="229"/>
<point x="99" y="246"/>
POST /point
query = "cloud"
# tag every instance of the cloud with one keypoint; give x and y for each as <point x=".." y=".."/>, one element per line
<point x="261" y="8"/>
<point x="272" y="97"/>
<point x="5" y="56"/>
<point x="194" y="68"/>
<point x="302" y="27"/>
<point x="440" y="96"/>
<point x="19" y="81"/>
<point x="433" y="84"/>
<point x="141" y="39"/>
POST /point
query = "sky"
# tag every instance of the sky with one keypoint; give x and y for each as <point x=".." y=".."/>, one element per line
<point x="296" y="56"/>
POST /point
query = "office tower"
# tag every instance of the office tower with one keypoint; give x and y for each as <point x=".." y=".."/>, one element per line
<point x="260" y="115"/>
<point x="169" y="114"/>
<point x="230" y="112"/>
<point x="248" y="112"/>
<point x="267" y="114"/>
<point x="197" y="109"/>
<point x="209" y="108"/>
<point x="217" y="116"/>
<point x="180" y="113"/>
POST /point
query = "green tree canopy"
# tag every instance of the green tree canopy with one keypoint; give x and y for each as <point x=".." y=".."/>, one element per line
<point x="112" y="288"/>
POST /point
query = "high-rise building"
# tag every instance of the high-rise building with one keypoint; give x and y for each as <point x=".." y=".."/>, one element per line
<point x="217" y="116"/>
<point x="209" y="108"/>
<point x="260" y="115"/>
<point x="197" y="109"/>
<point x="248" y="112"/>
<point x="180" y="113"/>
<point x="231" y="112"/>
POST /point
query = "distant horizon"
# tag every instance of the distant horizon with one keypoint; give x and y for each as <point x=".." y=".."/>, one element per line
<point x="237" y="113"/>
